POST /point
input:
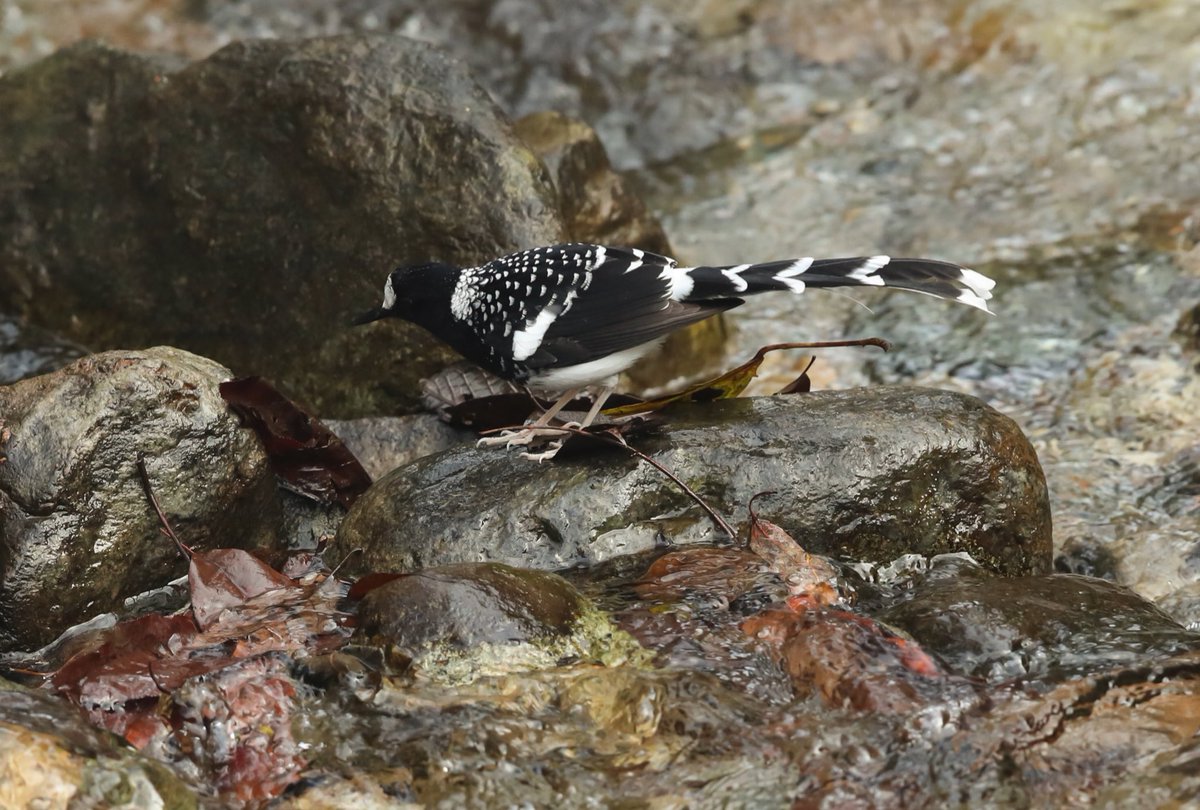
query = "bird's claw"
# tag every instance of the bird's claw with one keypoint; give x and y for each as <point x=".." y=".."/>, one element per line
<point x="523" y="437"/>
<point x="550" y="452"/>
<point x="508" y="438"/>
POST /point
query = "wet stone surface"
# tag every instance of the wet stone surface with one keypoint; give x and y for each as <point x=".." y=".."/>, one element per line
<point x="50" y="756"/>
<point x="466" y="605"/>
<point x="867" y="474"/>
<point x="383" y="443"/>
<point x="1052" y="146"/>
<point x="78" y="533"/>
<point x="326" y="159"/>
<point x="1039" y="630"/>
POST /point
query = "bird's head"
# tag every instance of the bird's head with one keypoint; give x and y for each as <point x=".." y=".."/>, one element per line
<point x="412" y="292"/>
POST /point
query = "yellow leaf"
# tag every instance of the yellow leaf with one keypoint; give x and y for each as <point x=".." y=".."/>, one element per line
<point x="734" y="381"/>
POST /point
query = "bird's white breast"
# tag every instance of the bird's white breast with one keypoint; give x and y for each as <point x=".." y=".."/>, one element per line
<point x="591" y="372"/>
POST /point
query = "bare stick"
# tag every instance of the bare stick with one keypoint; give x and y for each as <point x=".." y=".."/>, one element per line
<point x="165" y="525"/>
<point x="345" y="560"/>
<point x="828" y="344"/>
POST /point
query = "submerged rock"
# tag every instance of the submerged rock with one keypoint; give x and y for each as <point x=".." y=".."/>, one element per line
<point x="863" y="474"/>
<point x="468" y="604"/>
<point x="77" y="533"/>
<point x="457" y="623"/>
<point x="247" y="205"/>
<point x="1042" y="629"/>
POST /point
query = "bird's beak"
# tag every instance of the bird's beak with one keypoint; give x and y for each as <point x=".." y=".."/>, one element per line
<point x="367" y="317"/>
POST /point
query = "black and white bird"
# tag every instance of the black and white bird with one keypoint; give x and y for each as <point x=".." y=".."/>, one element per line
<point x="567" y="317"/>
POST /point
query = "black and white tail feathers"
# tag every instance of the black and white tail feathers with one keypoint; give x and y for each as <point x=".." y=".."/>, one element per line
<point x="930" y="277"/>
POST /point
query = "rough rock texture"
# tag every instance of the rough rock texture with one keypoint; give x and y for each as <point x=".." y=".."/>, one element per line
<point x="50" y="756"/>
<point x="77" y="534"/>
<point x="597" y="204"/>
<point x="247" y="205"/>
<point x="864" y="474"/>
<point x="383" y="443"/>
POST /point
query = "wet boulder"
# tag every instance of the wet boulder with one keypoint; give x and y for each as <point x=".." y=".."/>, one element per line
<point x="383" y="443"/>
<point x="247" y="205"/>
<point x="468" y="604"/>
<point x="77" y="532"/>
<point x="1042" y="629"/>
<point x="456" y="622"/>
<point x="865" y="474"/>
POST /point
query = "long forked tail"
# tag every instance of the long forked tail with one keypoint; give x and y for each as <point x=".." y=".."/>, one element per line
<point x="928" y="276"/>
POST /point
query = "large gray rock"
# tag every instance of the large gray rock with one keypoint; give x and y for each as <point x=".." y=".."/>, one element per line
<point x="867" y="474"/>
<point x="245" y="206"/>
<point x="77" y="533"/>
<point x="383" y="443"/>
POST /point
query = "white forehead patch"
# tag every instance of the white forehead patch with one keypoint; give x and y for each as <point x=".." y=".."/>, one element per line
<point x="389" y="295"/>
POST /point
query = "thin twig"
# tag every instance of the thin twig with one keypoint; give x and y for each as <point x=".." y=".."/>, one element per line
<point x="826" y="344"/>
<point x="616" y="440"/>
<point x="165" y="526"/>
<point x="750" y="506"/>
<point x="345" y="560"/>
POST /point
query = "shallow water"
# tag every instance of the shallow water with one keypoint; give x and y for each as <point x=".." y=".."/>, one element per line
<point x="1055" y="147"/>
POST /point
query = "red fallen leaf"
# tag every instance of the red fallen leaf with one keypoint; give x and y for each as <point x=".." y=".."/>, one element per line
<point x="309" y="458"/>
<point x="915" y="659"/>
<point x="846" y="658"/>
<point x="804" y="573"/>
<point x="771" y="625"/>
<point x="242" y="610"/>
<point x="730" y="572"/>
<point x="225" y="578"/>
<point x="369" y="582"/>
<point x="281" y="620"/>
<point x="236" y="726"/>
<point x="119" y="668"/>
<point x="120" y="678"/>
<point x="912" y="657"/>
<point x="849" y="660"/>
<point x="140" y="728"/>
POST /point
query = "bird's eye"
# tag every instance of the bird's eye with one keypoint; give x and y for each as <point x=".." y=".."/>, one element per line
<point x="389" y="295"/>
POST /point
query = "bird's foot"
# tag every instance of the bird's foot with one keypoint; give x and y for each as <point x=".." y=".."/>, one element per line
<point x="506" y="438"/>
<point x="550" y="452"/>
<point x="515" y="438"/>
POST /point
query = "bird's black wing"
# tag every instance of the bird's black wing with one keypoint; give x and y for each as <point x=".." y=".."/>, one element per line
<point x="626" y="302"/>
